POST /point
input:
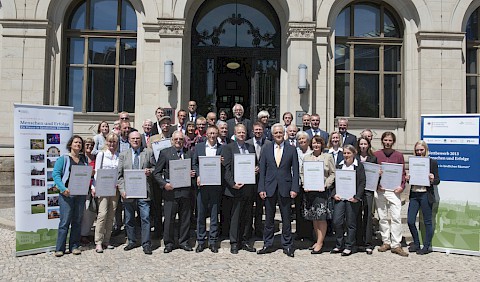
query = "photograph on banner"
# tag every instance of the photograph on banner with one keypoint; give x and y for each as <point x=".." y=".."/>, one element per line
<point x="453" y="140"/>
<point x="41" y="134"/>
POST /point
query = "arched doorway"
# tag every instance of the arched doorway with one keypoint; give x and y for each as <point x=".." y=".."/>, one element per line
<point x="236" y="57"/>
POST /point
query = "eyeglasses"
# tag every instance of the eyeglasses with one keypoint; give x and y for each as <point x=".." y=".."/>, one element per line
<point x="177" y="139"/>
<point x="88" y="145"/>
<point x="125" y="118"/>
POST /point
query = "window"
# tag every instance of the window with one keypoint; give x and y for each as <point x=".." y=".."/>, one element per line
<point x="101" y="48"/>
<point x="473" y="74"/>
<point x="368" y="61"/>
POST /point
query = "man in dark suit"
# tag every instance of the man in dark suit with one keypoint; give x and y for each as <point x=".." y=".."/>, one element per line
<point x="315" y="130"/>
<point x="176" y="199"/>
<point x="136" y="158"/>
<point x="208" y="197"/>
<point x="292" y="130"/>
<point x="226" y="203"/>
<point x="241" y="194"/>
<point x="159" y="113"/>
<point x="181" y="125"/>
<point x="279" y="182"/>
<point x="258" y="141"/>
<point x="347" y="138"/>
<point x="192" y="111"/>
<point x="238" y="118"/>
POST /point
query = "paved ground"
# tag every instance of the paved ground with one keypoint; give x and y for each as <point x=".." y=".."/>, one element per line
<point x="189" y="266"/>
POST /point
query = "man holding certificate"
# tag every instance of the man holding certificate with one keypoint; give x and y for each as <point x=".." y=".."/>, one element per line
<point x="175" y="161"/>
<point x="278" y="182"/>
<point x="241" y="194"/>
<point x="207" y="165"/>
<point x="389" y="200"/>
<point x="348" y="192"/>
<point x="134" y="180"/>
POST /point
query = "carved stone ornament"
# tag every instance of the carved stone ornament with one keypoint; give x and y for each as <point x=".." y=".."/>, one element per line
<point x="301" y="30"/>
<point x="171" y="27"/>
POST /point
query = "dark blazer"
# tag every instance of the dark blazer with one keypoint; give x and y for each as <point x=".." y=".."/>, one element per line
<point x="323" y="134"/>
<point x="245" y="121"/>
<point x="349" y="139"/>
<point x="370" y="159"/>
<point x="146" y="160"/>
<point x="163" y="168"/>
<point x="436" y="181"/>
<point x="144" y="140"/>
<point x="228" y="155"/>
<point x="264" y="142"/>
<point x="200" y="151"/>
<point x="285" y="177"/>
<point x="339" y="156"/>
<point x="360" y="178"/>
<point x="155" y="128"/>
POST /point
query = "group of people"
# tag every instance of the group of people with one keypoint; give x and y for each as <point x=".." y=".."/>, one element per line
<point x="236" y="209"/>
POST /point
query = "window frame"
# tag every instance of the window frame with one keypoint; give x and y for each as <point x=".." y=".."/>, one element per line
<point x="86" y="35"/>
<point x="473" y="45"/>
<point x="381" y="42"/>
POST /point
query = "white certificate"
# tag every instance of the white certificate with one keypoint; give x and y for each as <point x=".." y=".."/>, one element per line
<point x="419" y="170"/>
<point x="106" y="182"/>
<point x="210" y="170"/>
<point x="346" y="183"/>
<point x="313" y="176"/>
<point x="391" y="176"/>
<point x="135" y="183"/>
<point x="244" y="168"/>
<point x="160" y="145"/>
<point x="79" y="180"/>
<point x="179" y="171"/>
<point x="372" y="175"/>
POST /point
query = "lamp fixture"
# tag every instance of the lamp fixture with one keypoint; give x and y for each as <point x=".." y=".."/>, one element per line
<point x="168" y="74"/>
<point x="302" y="77"/>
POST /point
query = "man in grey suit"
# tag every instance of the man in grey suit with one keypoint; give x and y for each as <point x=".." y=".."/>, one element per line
<point x="347" y="137"/>
<point x="176" y="199"/>
<point x="278" y="182"/>
<point x="241" y="194"/>
<point x="136" y="158"/>
<point x="238" y="118"/>
<point x="258" y="141"/>
<point x="208" y="197"/>
<point x="315" y="130"/>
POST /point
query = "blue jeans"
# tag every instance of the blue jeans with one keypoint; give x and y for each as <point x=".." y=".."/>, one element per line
<point x="420" y="200"/>
<point x="144" y="209"/>
<point x="71" y="212"/>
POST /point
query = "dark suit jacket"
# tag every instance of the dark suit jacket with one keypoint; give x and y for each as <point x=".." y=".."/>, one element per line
<point x="360" y="178"/>
<point x="228" y="154"/>
<point x="155" y="128"/>
<point x="264" y="142"/>
<point x="163" y="168"/>
<point x="125" y="162"/>
<point x="285" y="177"/>
<point x="144" y="140"/>
<point x="245" y="121"/>
<point x="370" y="159"/>
<point x="323" y="134"/>
<point x="200" y="151"/>
<point x="349" y="139"/>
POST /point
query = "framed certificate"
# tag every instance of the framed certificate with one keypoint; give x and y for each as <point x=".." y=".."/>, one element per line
<point x="179" y="171"/>
<point x="391" y="176"/>
<point x="210" y="170"/>
<point x="106" y="182"/>
<point x="419" y="170"/>
<point x="79" y="180"/>
<point x="135" y="183"/>
<point x="346" y="183"/>
<point x="244" y="168"/>
<point x="313" y="176"/>
<point x="372" y="174"/>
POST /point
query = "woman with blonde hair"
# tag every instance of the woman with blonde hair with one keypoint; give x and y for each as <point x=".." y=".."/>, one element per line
<point x="335" y="146"/>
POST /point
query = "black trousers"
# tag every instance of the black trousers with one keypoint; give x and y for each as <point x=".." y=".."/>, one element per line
<point x="182" y="206"/>
<point x="345" y="211"/>
<point x="365" y="220"/>
<point x="241" y="219"/>
<point x="285" y="210"/>
<point x="304" y="227"/>
<point x="156" y="209"/>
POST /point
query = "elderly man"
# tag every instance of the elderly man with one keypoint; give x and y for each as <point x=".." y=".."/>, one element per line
<point x="147" y="132"/>
<point x="238" y="112"/>
<point x="278" y="182"/>
<point x="263" y="117"/>
<point x="292" y="130"/>
<point x="165" y="131"/>
<point x="306" y="122"/>
<point x="125" y="116"/>
<point x="211" y="119"/>
<point x="223" y="133"/>
<point x="347" y="138"/>
<point x="176" y="199"/>
<point x="136" y="158"/>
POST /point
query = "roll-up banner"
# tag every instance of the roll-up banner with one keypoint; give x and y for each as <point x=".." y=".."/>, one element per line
<point x="40" y="137"/>
<point x="453" y="141"/>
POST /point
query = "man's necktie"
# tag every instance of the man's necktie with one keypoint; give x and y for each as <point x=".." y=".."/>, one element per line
<point x="179" y="154"/>
<point x="136" y="161"/>
<point x="278" y="155"/>
<point x="258" y="147"/>
<point x="292" y="142"/>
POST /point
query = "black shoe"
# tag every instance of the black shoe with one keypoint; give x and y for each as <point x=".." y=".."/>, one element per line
<point x="423" y="251"/>
<point x="147" y="250"/>
<point x="313" y="252"/>
<point x="234" y="249"/>
<point x="247" y="247"/>
<point x="289" y="252"/>
<point x="265" y="250"/>
<point x="214" y="248"/>
<point x="413" y="248"/>
<point x="116" y="232"/>
<point x="200" y="248"/>
<point x="168" y="249"/>
<point x="129" y="247"/>
<point x="186" y="247"/>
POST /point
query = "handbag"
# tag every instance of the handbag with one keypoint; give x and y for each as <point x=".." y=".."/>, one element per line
<point x="92" y="203"/>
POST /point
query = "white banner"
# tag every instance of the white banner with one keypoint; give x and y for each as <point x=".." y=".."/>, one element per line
<point x="41" y="134"/>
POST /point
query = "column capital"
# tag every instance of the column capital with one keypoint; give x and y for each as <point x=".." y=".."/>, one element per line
<point x="171" y="27"/>
<point x="301" y="31"/>
<point x="29" y="28"/>
<point x="440" y="40"/>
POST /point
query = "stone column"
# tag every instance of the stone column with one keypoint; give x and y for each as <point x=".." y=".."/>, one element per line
<point x="324" y="103"/>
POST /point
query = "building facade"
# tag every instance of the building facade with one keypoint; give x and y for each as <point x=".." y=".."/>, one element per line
<point x="380" y="63"/>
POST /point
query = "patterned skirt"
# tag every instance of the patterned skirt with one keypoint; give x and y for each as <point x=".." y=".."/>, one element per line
<point x="315" y="206"/>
